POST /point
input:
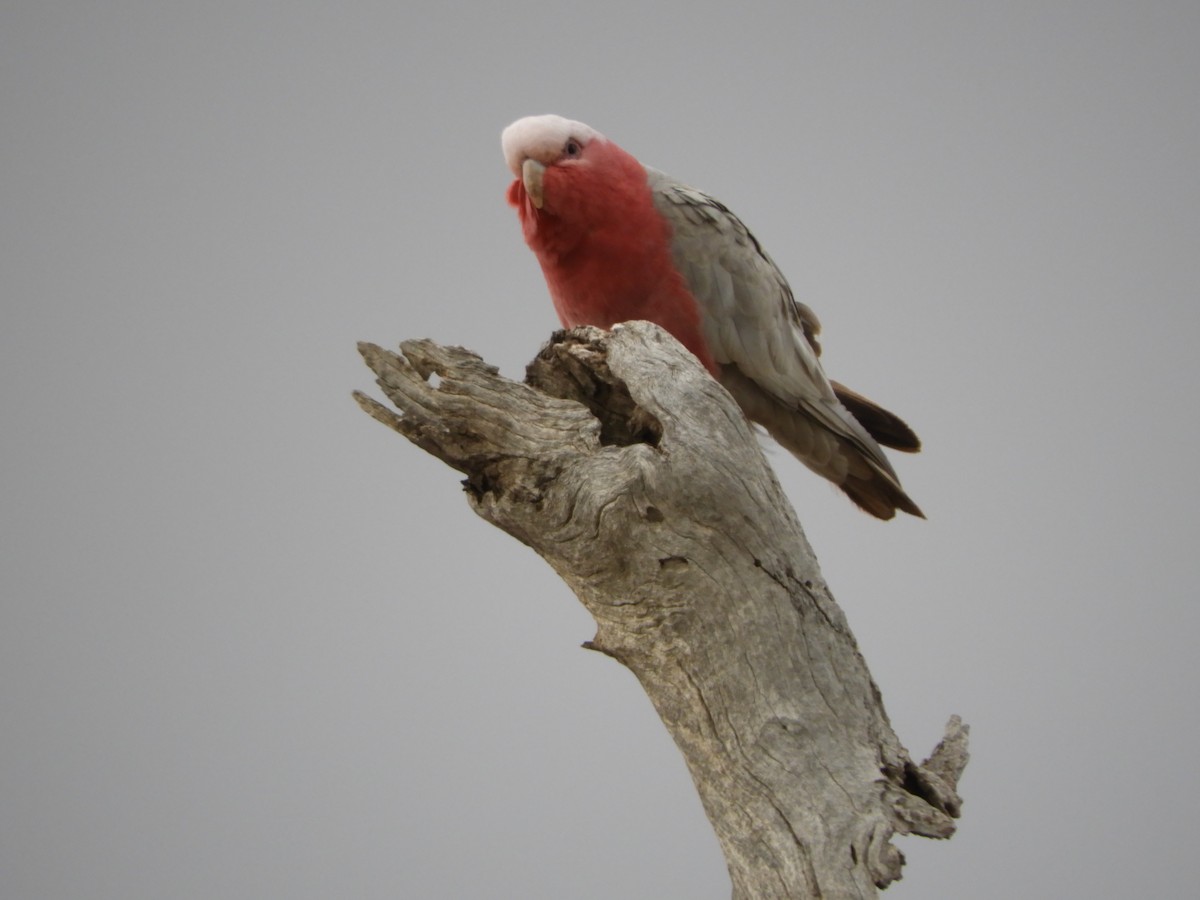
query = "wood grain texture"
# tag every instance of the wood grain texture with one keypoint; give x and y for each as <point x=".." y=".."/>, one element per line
<point x="637" y="478"/>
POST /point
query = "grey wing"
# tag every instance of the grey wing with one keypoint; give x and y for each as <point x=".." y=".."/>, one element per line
<point x="751" y="321"/>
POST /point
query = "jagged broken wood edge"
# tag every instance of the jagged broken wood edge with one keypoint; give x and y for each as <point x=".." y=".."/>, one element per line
<point x="637" y="478"/>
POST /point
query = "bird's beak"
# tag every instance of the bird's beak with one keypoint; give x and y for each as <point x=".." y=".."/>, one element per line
<point x="531" y="175"/>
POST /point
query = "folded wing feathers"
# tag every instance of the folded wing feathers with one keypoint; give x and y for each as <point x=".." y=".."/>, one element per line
<point x="766" y="344"/>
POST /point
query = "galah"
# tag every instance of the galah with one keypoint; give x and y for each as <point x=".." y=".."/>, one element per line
<point x="618" y="241"/>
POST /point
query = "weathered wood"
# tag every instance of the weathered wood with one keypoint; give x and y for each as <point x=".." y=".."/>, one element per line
<point x="635" y="475"/>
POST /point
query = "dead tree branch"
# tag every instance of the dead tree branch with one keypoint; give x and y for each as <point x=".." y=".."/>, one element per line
<point x="635" y="475"/>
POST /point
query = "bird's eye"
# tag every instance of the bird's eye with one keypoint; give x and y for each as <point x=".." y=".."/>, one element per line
<point x="572" y="148"/>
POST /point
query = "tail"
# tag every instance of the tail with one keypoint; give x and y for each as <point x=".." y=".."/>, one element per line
<point x="838" y="445"/>
<point x="880" y="495"/>
<point x="886" y="427"/>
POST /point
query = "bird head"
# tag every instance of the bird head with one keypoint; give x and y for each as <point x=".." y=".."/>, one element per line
<point x="570" y="181"/>
<point x="536" y="144"/>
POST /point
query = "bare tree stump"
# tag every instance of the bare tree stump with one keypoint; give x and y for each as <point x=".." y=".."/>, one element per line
<point x="636" y="476"/>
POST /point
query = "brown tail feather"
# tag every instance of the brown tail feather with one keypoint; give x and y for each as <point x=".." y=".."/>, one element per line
<point x="838" y="457"/>
<point x="879" y="496"/>
<point x="886" y="427"/>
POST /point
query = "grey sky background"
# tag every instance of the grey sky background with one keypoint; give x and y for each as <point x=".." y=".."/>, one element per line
<point x="254" y="645"/>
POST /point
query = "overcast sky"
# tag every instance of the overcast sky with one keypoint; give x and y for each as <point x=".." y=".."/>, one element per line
<point x="252" y="644"/>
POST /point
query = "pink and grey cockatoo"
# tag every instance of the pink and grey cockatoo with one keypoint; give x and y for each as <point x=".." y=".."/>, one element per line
<point x="619" y="241"/>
